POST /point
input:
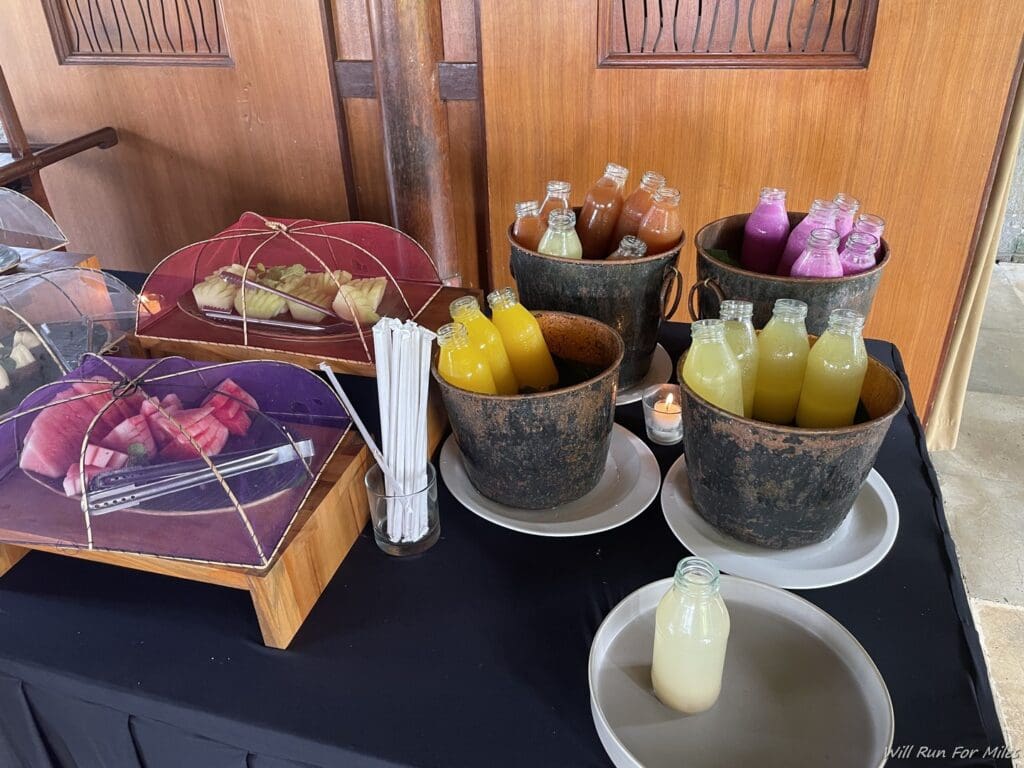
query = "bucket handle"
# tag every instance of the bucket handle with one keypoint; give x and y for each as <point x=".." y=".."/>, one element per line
<point x="672" y="280"/>
<point x="707" y="282"/>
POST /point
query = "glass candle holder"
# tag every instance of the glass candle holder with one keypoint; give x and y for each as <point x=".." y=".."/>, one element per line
<point x="663" y="414"/>
<point x="405" y="523"/>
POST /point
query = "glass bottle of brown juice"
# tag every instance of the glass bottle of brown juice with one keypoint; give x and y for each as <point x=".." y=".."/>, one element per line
<point x="637" y="204"/>
<point x="600" y="213"/>
<point x="529" y="227"/>
<point x="662" y="225"/>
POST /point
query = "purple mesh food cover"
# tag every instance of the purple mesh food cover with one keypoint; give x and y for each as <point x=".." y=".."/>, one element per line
<point x="209" y="462"/>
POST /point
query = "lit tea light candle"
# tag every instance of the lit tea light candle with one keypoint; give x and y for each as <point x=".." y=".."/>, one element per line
<point x="151" y="302"/>
<point x="663" y="414"/>
<point x="667" y="414"/>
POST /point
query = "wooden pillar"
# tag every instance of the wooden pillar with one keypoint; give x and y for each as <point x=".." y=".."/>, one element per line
<point x="407" y="46"/>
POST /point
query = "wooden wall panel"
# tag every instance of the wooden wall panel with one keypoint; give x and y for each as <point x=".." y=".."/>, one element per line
<point x="912" y="136"/>
<point x="198" y="145"/>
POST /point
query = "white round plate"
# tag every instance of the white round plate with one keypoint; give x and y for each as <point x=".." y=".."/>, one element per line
<point x="659" y="372"/>
<point x="798" y="689"/>
<point x="859" y="544"/>
<point x="629" y="484"/>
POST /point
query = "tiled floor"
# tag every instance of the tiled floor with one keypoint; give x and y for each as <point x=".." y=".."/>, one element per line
<point x="984" y="496"/>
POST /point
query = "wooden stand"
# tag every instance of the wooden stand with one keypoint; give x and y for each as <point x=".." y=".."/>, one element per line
<point x="285" y="592"/>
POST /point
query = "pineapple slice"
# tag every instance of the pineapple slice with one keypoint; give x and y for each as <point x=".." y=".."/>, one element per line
<point x="359" y="299"/>
<point x="259" y="305"/>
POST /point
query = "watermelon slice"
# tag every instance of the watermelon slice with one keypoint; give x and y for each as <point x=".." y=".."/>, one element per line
<point x="193" y="421"/>
<point x="104" y="458"/>
<point x="132" y="431"/>
<point x="210" y="434"/>
<point x="230" y="403"/>
<point x="121" y="408"/>
<point x="237" y="425"/>
<point x="55" y="438"/>
<point x="73" y="485"/>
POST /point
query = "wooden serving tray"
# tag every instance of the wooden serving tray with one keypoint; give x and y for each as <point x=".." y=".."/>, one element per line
<point x="285" y="592"/>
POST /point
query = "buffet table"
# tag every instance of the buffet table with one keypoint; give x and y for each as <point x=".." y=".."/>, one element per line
<point x="473" y="654"/>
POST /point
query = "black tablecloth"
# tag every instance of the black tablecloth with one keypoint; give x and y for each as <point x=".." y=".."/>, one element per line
<point x="474" y="654"/>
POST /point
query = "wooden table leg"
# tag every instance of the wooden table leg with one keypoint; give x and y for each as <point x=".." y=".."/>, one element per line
<point x="9" y="555"/>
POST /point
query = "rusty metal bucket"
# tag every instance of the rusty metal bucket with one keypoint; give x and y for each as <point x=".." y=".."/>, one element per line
<point x="540" y="450"/>
<point x="777" y="486"/>
<point x="717" y="280"/>
<point x="632" y="296"/>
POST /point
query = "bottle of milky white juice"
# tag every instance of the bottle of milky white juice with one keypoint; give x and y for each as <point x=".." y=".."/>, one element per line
<point x="691" y="631"/>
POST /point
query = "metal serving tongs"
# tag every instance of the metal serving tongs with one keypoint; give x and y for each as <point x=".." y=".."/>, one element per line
<point x="131" y="488"/>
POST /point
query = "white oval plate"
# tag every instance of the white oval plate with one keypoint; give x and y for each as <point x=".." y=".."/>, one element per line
<point x="859" y="544"/>
<point x="659" y="372"/>
<point x="798" y="689"/>
<point x="629" y="484"/>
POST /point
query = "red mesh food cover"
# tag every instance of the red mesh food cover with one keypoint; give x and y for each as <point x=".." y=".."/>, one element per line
<point x="290" y="285"/>
<point x="205" y="462"/>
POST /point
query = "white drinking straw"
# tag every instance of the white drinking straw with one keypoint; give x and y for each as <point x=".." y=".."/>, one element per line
<point x="367" y="437"/>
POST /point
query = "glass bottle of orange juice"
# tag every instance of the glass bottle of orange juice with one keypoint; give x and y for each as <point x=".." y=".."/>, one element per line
<point x="742" y="339"/>
<point x="782" y="348"/>
<point x="524" y="342"/>
<point x="835" y="373"/>
<point x="460" y="363"/>
<point x="483" y="334"/>
<point x="710" y="368"/>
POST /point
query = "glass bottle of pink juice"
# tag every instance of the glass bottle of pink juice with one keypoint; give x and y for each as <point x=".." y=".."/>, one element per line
<point x="846" y="208"/>
<point x="821" y="256"/>
<point x="859" y="253"/>
<point x="765" y="233"/>
<point x="867" y="223"/>
<point x="821" y="216"/>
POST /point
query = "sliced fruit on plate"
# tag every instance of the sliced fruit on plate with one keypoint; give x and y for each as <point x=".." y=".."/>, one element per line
<point x="73" y="485"/>
<point x="359" y="300"/>
<point x="104" y="458"/>
<point x="132" y="431"/>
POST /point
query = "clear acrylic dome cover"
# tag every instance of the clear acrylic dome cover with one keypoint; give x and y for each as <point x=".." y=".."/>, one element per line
<point x="210" y="462"/>
<point x="49" y="320"/>
<point x="24" y="225"/>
